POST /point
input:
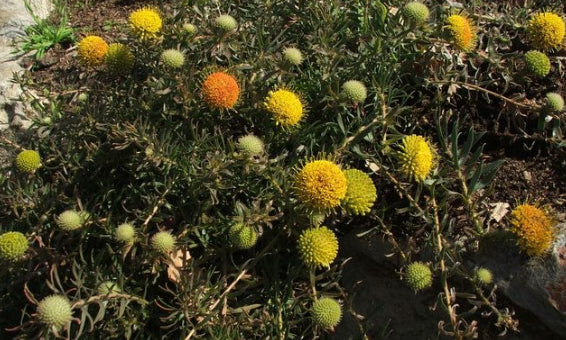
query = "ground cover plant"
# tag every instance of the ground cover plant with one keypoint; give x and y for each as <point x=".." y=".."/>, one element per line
<point x="194" y="164"/>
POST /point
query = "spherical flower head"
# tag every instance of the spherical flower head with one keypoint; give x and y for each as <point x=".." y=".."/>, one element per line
<point x="554" y="102"/>
<point x="285" y="106"/>
<point x="537" y="63"/>
<point x="416" y="13"/>
<point x="320" y="185"/>
<point x="251" y="145"/>
<point x="173" y="58"/>
<point x="220" y="90"/>
<point x="462" y="31"/>
<point x="360" y="193"/>
<point x="225" y="22"/>
<point x="355" y="91"/>
<point x="545" y="31"/>
<point x="92" y="50"/>
<point x="163" y="242"/>
<point x="28" y="161"/>
<point x="108" y="287"/>
<point x="55" y="311"/>
<point x="416" y="157"/>
<point x="326" y="312"/>
<point x="534" y="229"/>
<point x="69" y="220"/>
<point x="13" y="246"/>
<point x="242" y="236"/>
<point x="119" y="59"/>
<point x="190" y="28"/>
<point x="145" y="23"/>
<point x="318" y="247"/>
<point x="125" y="232"/>
<point x="484" y="276"/>
<point x="418" y="276"/>
<point x="293" y="56"/>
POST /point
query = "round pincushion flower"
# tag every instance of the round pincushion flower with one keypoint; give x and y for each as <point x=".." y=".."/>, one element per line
<point x="416" y="13"/>
<point x="163" y="242"/>
<point x="28" y="161"/>
<point x="484" y="276"/>
<point x="92" y="50"/>
<point x="125" y="232"/>
<point x="173" y="58"/>
<point x="251" y="145"/>
<point x="318" y="247"/>
<point x="326" y="312"/>
<point x="537" y="63"/>
<point x="463" y="33"/>
<point x="13" y="246"/>
<point x="418" y="276"/>
<point x="119" y="59"/>
<point x="220" y="90"/>
<point x="242" y="236"/>
<point x="320" y="185"/>
<point x="190" y="28"/>
<point x="225" y="22"/>
<point x="285" y="106"/>
<point x="355" y="91"/>
<point x="554" y="102"/>
<point x="55" y="311"/>
<point x="360" y="192"/>
<point x="534" y="229"/>
<point x="69" y="220"/>
<point x="545" y="31"/>
<point x="416" y="157"/>
<point x="145" y="23"/>
<point x="293" y="56"/>
<point x="108" y="287"/>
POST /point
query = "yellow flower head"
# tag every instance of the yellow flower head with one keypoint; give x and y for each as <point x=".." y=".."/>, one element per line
<point x="285" y="106"/>
<point x="416" y="157"/>
<point x="545" y="31"/>
<point x="318" y="247"/>
<point x="220" y="90"/>
<point x="92" y="50"/>
<point x="462" y="31"/>
<point x="533" y="227"/>
<point x="320" y="185"/>
<point x="360" y="194"/>
<point x="145" y="23"/>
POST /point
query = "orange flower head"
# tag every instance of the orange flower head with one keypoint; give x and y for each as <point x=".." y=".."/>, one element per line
<point x="220" y="90"/>
<point x="534" y="229"/>
<point x="463" y="32"/>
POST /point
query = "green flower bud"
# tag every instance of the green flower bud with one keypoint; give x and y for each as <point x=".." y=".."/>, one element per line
<point x="55" y="310"/>
<point x="173" y="58"/>
<point x="13" y="246"/>
<point x="69" y="220"/>
<point x="293" y="56"/>
<point x="242" y="236"/>
<point x="416" y="13"/>
<point x="225" y="22"/>
<point x="418" y="276"/>
<point x="28" y="161"/>
<point x="163" y="242"/>
<point x="326" y="313"/>
<point x="125" y="232"/>
<point x="251" y="145"/>
<point x="108" y="287"/>
<point x="119" y="59"/>
<point x="484" y="276"/>
<point x="354" y="91"/>
<point x="537" y="63"/>
<point x="554" y="102"/>
<point x="190" y="28"/>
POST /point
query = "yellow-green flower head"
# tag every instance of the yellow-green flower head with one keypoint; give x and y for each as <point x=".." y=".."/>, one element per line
<point x="108" y="287"/>
<point x="13" y="246"/>
<point x="537" y="63"/>
<point x="242" y="236"/>
<point x="145" y="23"/>
<point x="69" y="220"/>
<point x="173" y="58"/>
<point x="251" y="145"/>
<point x="28" y="161"/>
<point x="125" y="232"/>
<point x="484" y="276"/>
<point x="360" y="193"/>
<point x="545" y="31"/>
<point x="320" y="185"/>
<point x="318" y="247"/>
<point x="416" y="13"/>
<point x="416" y="157"/>
<point x="355" y="91"/>
<point x="190" y="28"/>
<point x="534" y="229"/>
<point x="92" y="50"/>
<point x="119" y="59"/>
<point x="55" y="311"/>
<point x="326" y="312"/>
<point x="554" y="102"/>
<point x="462" y="31"/>
<point x="163" y="242"/>
<point x="285" y="106"/>
<point x="225" y="22"/>
<point x="418" y="276"/>
<point x="293" y="56"/>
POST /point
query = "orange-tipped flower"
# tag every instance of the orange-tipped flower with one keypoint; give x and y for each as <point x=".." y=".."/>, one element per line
<point x="463" y="32"/>
<point x="220" y="90"/>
